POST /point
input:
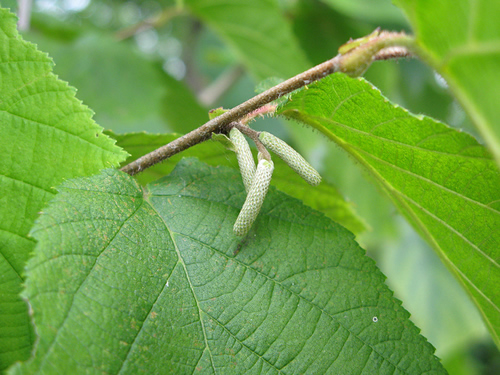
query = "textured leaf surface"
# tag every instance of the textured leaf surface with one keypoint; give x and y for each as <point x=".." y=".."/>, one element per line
<point x="262" y="37"/>
<point x="462" y="41"/>
<point x="128" y="281"/>
<point x="442" y="180"/>
<point x="325" y="197"/>
<point x="47" y="135"/>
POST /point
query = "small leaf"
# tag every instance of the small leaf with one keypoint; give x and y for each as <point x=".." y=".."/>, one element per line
<point x="47" y="136"/>
<point x="442" y="180"/>
<point x="216" y="112"/>
<point x="350" y="45"/>
<point x="127" y="281"/>
<point x="223" y="140"/>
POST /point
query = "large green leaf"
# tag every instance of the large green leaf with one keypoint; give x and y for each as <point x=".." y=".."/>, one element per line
<point x="325" y="197"/>
<point x="461" y="39"/>
<point x="128" y="280"/>
<point x="414" y="271"/>
<point x="258" y="32"/>
<point x="442" y="180"/>
<point x="47" y="135"/>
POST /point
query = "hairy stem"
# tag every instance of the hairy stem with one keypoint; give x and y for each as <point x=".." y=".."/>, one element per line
<point x="220" y="123"/>
<point x="353" y="62"/>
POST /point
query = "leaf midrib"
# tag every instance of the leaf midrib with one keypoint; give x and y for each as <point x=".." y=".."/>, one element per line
<point x="319" y="120"/>
<point x="460" y="235"/>
<point x="332" y="316"/>
<point x="431" y="182"/>
<point x="334" y="137"/>
<point x="200" y="311"/>
<point x="422" y="226"/>
<point x="360" y="150"/>
<point x="56" y="129"/>
<point x="398" y="192"/>
<point x="316" y="122"/>
<point x="146" y="318"/>
<point x="71" y="304"/>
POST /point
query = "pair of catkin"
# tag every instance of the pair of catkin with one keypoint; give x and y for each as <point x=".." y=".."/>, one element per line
<point x="257" y="179"/>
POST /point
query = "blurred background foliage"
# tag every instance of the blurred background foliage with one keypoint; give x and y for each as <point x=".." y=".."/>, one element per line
<point x="158" y="66"/>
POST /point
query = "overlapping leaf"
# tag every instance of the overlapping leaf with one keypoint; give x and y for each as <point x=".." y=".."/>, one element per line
<point x="47" y="135"/>
<point x="154" y="281"/>
<point x="325" y="197"/>
<point x="461" y="39"/>
<point x="442" y="180"/>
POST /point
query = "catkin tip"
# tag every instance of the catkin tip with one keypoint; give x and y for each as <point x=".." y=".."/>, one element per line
<point x="291" y="157"/>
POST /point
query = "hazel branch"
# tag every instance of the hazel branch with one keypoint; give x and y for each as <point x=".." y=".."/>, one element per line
<point x="355" y="58"/>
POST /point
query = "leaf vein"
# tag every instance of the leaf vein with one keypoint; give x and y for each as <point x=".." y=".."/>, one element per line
<point x="71" y="304"/>
<point x="332" y="316"/>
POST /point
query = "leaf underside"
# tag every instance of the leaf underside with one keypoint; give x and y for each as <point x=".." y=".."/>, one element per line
<point x="128" y="281"/>
<point x="442" y="180"/>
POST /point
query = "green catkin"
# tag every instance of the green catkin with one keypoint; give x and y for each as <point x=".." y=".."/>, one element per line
<point x="244" y="156"/>
<point x="255" y="197"/>
<point x="291" y="157"/>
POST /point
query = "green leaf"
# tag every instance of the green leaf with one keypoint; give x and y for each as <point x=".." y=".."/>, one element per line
<point x="47" y="136"/>
<point x="442" y="180"/>
<point x="430" y="292"/>
<point x="258" y="32"/>
<point x="216" y="112"/>
<point x="127" y="280"/>
<point x="368" y="10"/>
<point x="461" y="40"/>
<point x="325" y="197"/>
